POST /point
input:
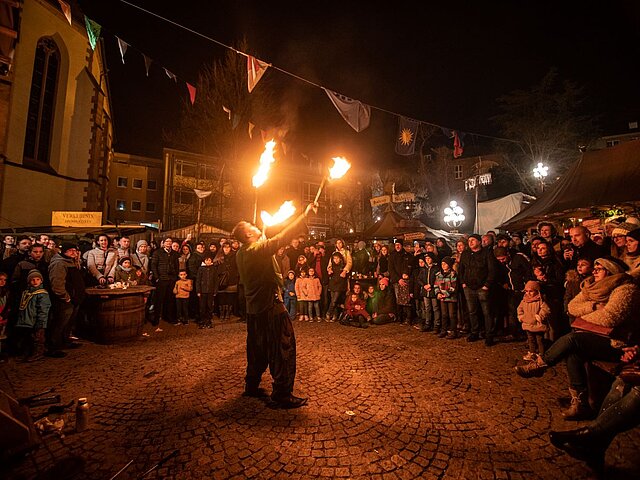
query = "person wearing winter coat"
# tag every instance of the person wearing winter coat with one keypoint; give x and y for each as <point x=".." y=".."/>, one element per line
<point x="206" y="287"/>
<point x="384" y="305"/>
<point x="356" y="314"/>
<point x="33" y="315"/>
<point x="446" y="290"/>
<point x="573" y="280"/>
<point x="164" y="268"/>
<point x="289" y="294"/>
<point x="338" y="285"/>
<point x="140" y="258"/>
<point x="302" y="305"/>
<point x="125" y="273"/>
<point x="101" y="261"/>
<point x="533" y="314"/>
<point x="346" y="255"/>
<point x="314" y="293"/>
<point x="228" y="280"/>
<point x="431" y="305"/>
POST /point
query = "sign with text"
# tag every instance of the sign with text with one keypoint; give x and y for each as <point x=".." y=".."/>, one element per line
<point x="76" y="219"/>
<point x="404" y="197"/>
<point x="375" y="201"/>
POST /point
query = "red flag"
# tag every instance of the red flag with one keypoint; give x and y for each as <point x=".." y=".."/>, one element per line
<point x="66" y="9"/>
<point x="192" y="92"/>
<point x="458" y="145"/>
<point x="255" y="70"/>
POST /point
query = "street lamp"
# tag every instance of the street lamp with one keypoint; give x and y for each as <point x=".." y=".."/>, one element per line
<point x="540" y="172"/>
<point x="453" y="215"/>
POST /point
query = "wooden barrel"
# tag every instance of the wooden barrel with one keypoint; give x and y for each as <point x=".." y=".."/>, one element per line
<point x="117" y="316"/>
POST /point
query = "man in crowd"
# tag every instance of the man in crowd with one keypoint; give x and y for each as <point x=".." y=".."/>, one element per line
<point x="124" y="247"/>
<point x="549" y="234"/>
<point x="67" y="287"/>
<point x="516" y="271"/>
<point x="583" y="247"/>
<point x="22" y="252"/>
<point x="477" y="273"/>
<point x="399" y="263"/>
<point x="271" y="340"/>
<point x="9" y="246"/>
<point x="35" y="260"/>
<point x="164" y="267"/>
<point x="293" y="251"/>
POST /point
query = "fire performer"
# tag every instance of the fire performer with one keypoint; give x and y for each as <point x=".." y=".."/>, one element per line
<point x="271" y="341"/>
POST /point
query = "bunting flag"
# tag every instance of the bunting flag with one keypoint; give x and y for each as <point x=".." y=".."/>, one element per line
<point x="235" y="121"/>
<point x="147" y="64"/>
<point x="251" y="127"/>
<point x="192" y="92"/>
<point x="93" y="31"/>
<point x="170" y="75"/>
<point x="66" y="9"/>
<point x="122" y="46"/>
<point x="354" y="112"/>
<point x="227" y="111"/>
<point x="407" y="132"/>
<point x="458" y="144"/>
<point x="255" y="71"/>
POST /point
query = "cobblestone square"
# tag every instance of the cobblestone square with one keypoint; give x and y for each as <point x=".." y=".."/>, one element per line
<point x="385" y="402"/>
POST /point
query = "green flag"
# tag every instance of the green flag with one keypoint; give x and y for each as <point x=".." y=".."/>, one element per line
<point x="93" y="31"/>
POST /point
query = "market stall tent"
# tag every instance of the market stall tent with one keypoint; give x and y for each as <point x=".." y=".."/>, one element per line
<point x="394" y="225"/>
<point x="493" y="213"/>
<point x="603" y="179"/>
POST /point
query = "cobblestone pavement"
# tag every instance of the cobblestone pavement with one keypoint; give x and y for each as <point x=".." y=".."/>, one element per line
<point x="386" y="402"/>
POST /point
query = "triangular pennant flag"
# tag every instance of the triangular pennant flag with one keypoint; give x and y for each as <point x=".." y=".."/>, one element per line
<point x="66" y="9"/>
<point x="407" y="132"/>
<point x="255" y="70"/>
<point x="227" y="111"/>
<point x="354" y="112"/>
<point x="192" y="92"/>
<point x="251" y="127"/>
<point x="263" y="135"/>
<point x="458" y="144"/>
<point x="284" y="148"/>
<point x="170" y="75"/>
<point x="93" y="31"/>
<point x="147" y="63"/>
<point x="235" y="122"/>
<point x="122" y="46"/>
<point x="202" y="193"/>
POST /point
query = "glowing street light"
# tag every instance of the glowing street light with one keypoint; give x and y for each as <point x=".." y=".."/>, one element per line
<point x="453" y="215"/>
<point x="540" y="172"/>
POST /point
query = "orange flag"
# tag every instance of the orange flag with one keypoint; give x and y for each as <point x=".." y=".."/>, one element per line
<point x="255" y="70"/>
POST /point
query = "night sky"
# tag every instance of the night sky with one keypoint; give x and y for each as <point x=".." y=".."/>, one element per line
<point x="439" y="62"/>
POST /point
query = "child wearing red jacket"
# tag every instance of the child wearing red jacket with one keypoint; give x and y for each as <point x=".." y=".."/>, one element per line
<point x="356" y="312"/>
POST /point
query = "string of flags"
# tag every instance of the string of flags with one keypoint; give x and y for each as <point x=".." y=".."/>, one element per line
<point x="355" y="113"/>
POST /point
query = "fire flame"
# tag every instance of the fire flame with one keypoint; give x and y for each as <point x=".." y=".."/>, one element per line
<point x="284" y="212"/>
<point x="266" y="159"/>
<point x="340" y="167"/>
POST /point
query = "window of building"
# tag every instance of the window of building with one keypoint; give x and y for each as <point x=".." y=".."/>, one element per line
<point x="612" y="143"/>
<point x="186" y="169"/>
<point x="184" y="196"/>
<point x="151" y="207"/>
<point x="151" y="185"/>
<point x="121" y="205"/>
<point x="457" y="172"/>
<point x="309" y="191"/>
<point x="137" y="183"/>
<point x="44" y="82"/>
<point x="135" y="206"/>
<point x="122" y="182"/>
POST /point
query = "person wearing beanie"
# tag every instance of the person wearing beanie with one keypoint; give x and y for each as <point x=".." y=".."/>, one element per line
<point x="477" y="275"/>
<point x="533" y="314"/>
<point x="33" y="315"/>
<point x="125" y="273"/>
<point x="631" y="255"/>
<point x="140" y="258"/>
<point x="606" y="307"/>
<point x="384" y="305"/>
<point x="619" y="239"/>
<point x="446" y="290"/>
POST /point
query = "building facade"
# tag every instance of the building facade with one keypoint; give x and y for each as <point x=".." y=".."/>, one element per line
<point x="342" y="206"/>
<point x="135" y="193"/>
<point x="56" y="126"/>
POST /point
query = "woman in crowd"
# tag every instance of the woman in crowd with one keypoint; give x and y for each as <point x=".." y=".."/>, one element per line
<point x="382" y="269"/>
<point x="384" y="305"/>
<point x="338" y="284"/>
<point x="463" y="310"/>
<point x="549" y="271"/>
<point x="606" y="302"/>
<point x="346" y="255"/>
<point x="444" y="250"/>
<point x="631" y="255"/>
<point x="228" y="279"/>
<point x="185" y="254"/>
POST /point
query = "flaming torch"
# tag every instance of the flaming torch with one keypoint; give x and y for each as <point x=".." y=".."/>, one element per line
<point x="284" y="212"/>
<point x="340" y="167"/>
<point x="266" y="159"/>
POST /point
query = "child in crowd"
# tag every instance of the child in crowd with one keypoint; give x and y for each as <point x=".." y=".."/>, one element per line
<point x="433" y="318"/>
<point x="534" y="313"/>
<point x="182" y="289"/>
<point x="302" y="264"/>
<point x="314" y="292"/>
<point x="338" y="284"/>
<point x="32" y="318"/>
<point x="356" y="314"/>
<point x="302" y="305"/>
<point x="370" y="298"/>
<point x="141" y="278"/>
<point x="574" y="279"/>
<point x="206" y="285"/>
<point x="446" y="288"/>
<point x="124" y="272"/>
<point x="403" y="299"/>
<point x="289" y="294"/>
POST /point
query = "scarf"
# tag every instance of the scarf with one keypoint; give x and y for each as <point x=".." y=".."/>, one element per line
<point x="530" y="299"/>
<point x="599" y="292"/>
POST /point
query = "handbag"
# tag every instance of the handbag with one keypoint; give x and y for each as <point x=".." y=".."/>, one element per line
<point x="582" y="325"/>
<point x="630" y="373"/>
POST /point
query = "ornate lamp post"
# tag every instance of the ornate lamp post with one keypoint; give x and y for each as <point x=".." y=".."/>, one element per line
<point x="453" y="215"/>
<point x="541" y="172"/>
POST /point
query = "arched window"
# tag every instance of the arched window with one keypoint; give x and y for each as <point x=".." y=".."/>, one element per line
<point x="37" y="142"/>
